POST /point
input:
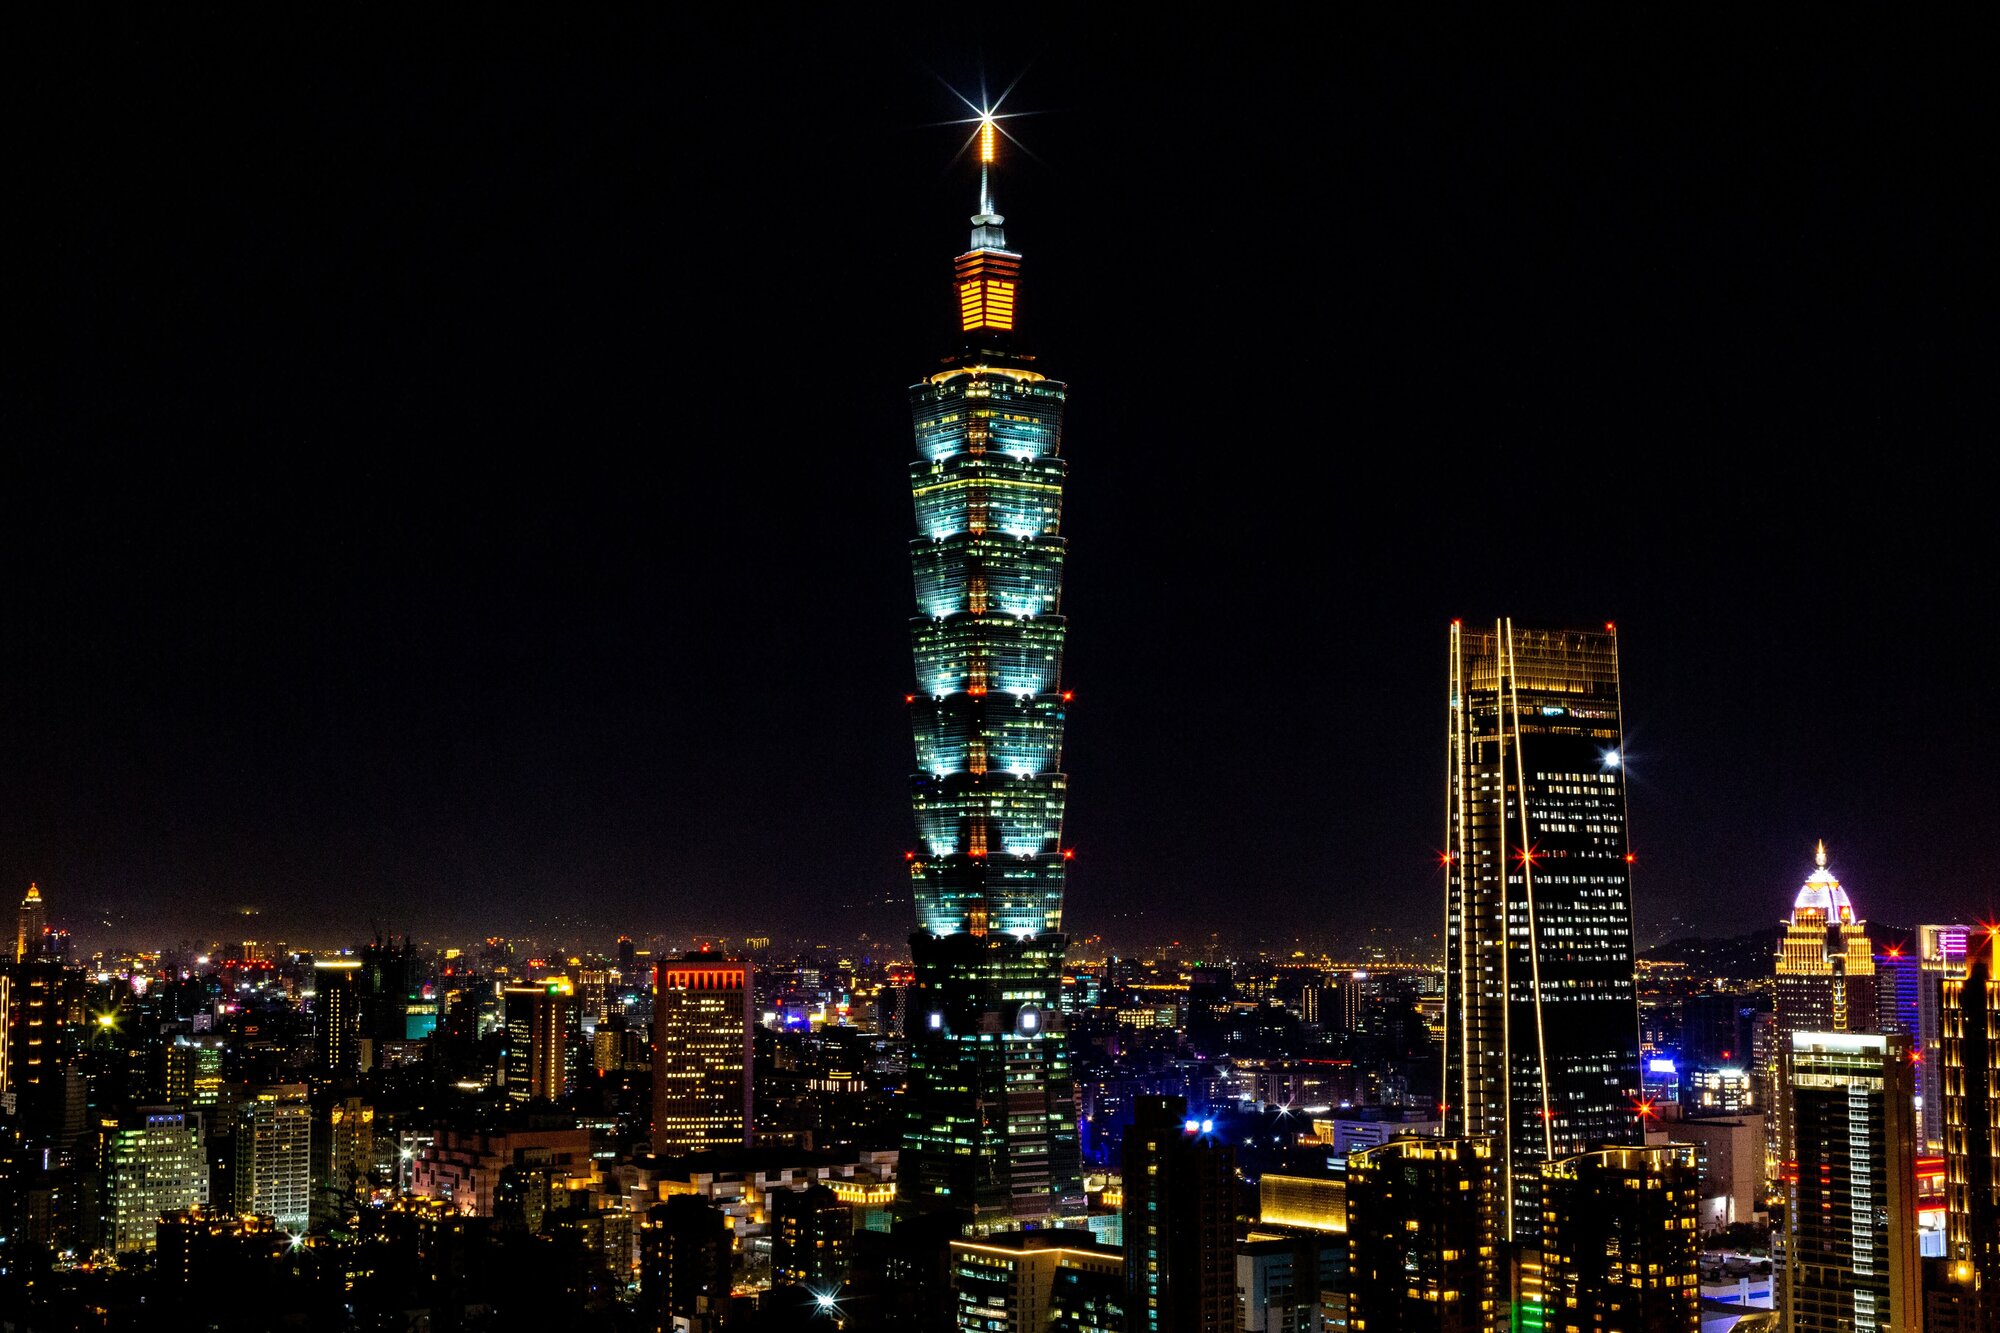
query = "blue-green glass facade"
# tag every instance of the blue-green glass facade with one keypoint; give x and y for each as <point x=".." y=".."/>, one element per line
<point x="990" y="1123"/>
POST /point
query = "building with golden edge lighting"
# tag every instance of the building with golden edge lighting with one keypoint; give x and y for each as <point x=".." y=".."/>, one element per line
<point x="542" y="1026"/>
<point x="990" y="1125"/>
<point x="1824" y="981"/>
<point x="1541" y="1018"/>
<point x="1972" y="1143"/>
<point x="30" y="925"/>
<point x="1020" y="1281"/>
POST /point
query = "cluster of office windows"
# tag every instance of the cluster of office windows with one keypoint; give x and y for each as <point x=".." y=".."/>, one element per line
<point x="1009" y="574"/>
<point x="987" y="654"/>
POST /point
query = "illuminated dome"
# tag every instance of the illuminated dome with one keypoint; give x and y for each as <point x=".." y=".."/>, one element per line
<point x="1821" y="894"/>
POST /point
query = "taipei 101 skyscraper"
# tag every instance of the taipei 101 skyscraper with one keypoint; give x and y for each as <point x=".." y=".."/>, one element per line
<point x="990" y="1120"/>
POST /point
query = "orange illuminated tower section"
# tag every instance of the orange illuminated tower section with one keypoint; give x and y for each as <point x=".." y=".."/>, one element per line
<point x="988" y="276"/>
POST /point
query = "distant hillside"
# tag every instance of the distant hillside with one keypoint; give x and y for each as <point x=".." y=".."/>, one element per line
<point x="1737" y="956"/>
<point x="1748" y="957"/>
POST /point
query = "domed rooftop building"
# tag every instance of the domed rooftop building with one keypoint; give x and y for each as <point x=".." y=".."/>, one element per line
<point x="1821" y="899"/>
<point x="1824" y="981"/>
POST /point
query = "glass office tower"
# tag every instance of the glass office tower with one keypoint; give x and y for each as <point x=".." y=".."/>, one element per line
<point x="991" y="1119"/>
<point x="1541" y="1015"/>
<point x="1851" y="1262"/>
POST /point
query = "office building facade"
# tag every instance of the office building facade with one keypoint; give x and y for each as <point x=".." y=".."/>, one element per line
<point x="543" y="1040"/>
<point x="193" y="1073"/>
<point x="154" y="1163"/>
<point x="274" y="1156"/>
<point x="1278" y="1283"/>
<point x="337" y="1015"/>
<point x="1971" y="1126"/>
<point x="702" y="1024"/>
<point x="1620" y="1249"/>
<point x="1824" y="973"/>
<point x="991" y="1124"/>
<point x="1179" y="1222"/>
<point x="811" y="1232"/>
<point x="1851" y="1263"/>
<point x="1541" y="1025"/>
<point x="1424" y="1237"/>
<point x="1943" y="955"/>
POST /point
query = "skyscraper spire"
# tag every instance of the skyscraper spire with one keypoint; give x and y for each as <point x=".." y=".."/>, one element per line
<point x="1819" y="854"/>
<point x="989" y="135"/>
<point x="988" y="274"/>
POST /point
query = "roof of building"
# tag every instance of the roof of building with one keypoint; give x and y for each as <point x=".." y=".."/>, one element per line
<point x="1822" y="893"/>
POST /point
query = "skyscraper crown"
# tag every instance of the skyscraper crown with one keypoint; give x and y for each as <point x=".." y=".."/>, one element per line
<point x="988" y="275"/>
<point x="1822" y="894"/>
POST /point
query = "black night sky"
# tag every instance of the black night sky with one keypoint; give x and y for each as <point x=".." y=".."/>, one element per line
<point x="455" y="477"/>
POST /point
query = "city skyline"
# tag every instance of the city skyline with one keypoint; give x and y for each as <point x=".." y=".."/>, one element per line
<point x="345" y="674"/>
<point x="472" y="869"/>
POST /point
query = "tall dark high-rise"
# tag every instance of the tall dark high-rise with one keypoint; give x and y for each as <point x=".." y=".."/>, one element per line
<point x="542" y="1032"/>
<point x="991" y="1121"/>
<point x="1179" y="1222"/>
<point x="336" y="1016"/>
<point x="684" y="1265"/>
<point x="1541" y="1014"/>
<point x="811" y="1233"/>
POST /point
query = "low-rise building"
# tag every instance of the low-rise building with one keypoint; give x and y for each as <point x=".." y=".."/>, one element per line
<point x="1007" y="1283"/>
